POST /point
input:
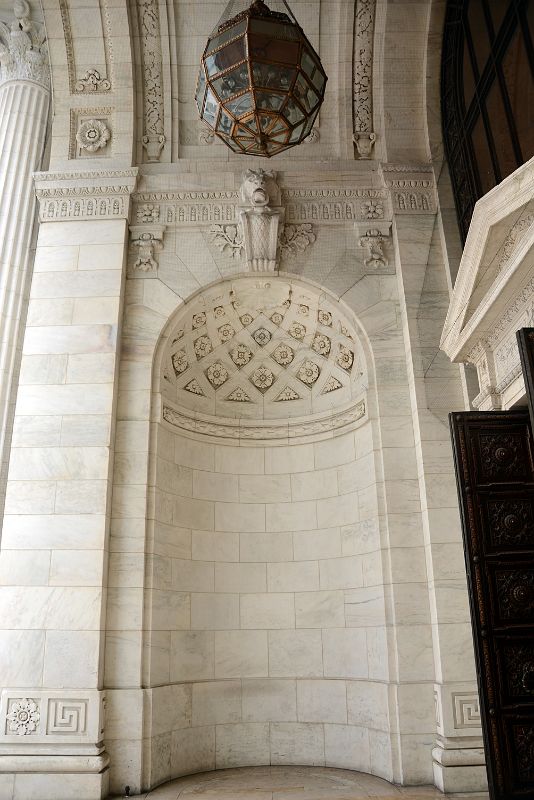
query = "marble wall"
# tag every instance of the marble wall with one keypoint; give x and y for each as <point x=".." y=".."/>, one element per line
<point x="369" y="568"/>
<point x="266" y="583"/>
<point x="280" y="594"/>
<point x="54" y="559"/>
<point x="252" y="602"/>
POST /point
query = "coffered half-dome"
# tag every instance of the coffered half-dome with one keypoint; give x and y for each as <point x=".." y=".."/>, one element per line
<point x="263" y="350"/>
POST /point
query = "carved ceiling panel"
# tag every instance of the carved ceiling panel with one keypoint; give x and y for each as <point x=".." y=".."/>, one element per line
<point x="266" y="350"/>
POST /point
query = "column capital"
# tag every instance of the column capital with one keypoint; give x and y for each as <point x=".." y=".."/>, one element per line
<point x="23" y="49"/>
<point x="80" y="196"/>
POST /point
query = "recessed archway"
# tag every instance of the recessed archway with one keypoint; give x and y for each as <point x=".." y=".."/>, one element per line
<point x="265" y="534"/>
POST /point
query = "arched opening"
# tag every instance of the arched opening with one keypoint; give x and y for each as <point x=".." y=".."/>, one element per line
<point x="487" y="98"/>
<point x="265" y="612"/>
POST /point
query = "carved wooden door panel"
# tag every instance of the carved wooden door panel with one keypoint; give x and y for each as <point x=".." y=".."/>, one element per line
<point x="495" y="475"/>
<point x="525" y="344"/>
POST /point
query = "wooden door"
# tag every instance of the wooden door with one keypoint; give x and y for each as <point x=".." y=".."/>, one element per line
<point x="493" y="454"/>
<point x="525" y="344"/>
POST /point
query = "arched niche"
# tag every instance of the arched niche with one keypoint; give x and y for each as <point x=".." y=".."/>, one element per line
<point x="265" y="610"/>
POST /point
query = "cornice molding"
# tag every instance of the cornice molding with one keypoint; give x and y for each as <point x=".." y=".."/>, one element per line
<point x="512" y="196"/>
<point x="412" y="188"/>
<point x="281" y="430"/>
<point x="102" y="194"/>
<point x="322" y="205"/>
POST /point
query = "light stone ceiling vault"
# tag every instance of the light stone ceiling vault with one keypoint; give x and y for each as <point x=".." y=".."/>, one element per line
<point x="278" y="351"/>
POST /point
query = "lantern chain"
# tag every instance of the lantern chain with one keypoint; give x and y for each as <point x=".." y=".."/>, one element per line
<point x="290" y="12"/>
<point x="228" y="12"/>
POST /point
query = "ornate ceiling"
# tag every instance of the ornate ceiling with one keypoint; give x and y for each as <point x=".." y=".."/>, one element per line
<point x="263" y="350"/>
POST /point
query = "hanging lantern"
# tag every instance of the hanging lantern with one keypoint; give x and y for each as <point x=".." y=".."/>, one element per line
<point x="261" y="83"/>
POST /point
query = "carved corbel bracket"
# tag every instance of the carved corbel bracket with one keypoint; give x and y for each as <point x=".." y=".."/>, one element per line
<point x="372" y="238"/>
<point x="261" y="216"/>
<point x="261" y="234"/>
<point x="153" y="145"/>
<point x="488" y="399"/>
<point x="146" y="241"/>
<point x="364" y="142"/>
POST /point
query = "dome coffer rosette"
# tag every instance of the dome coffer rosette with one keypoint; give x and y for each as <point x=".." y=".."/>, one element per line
<point x="261" y="83"/>
<point x="232" y="356"/>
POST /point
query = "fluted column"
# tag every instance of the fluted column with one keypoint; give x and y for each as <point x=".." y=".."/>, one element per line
<point x="24" y="103"/>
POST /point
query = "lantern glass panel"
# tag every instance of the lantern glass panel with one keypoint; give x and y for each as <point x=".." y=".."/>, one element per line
<point x="223" y="59"/>
<point x="265" y="122"/>
<point x="251" y="123"/>
<point x="308" y="125"/>
<point x="279" y="127"/>
<point x="297" y="132"/>
<point x="226" y="36"/>
<point x="307" y="63"/>
<point x="269" y="101"/>
<point x="273" y="148"/>
<point x="276" y="29"/>
<point x="267" y="49"/>
<point x="211" y="107"/>
<point x="272" y="76"/>
<point x="236" y="146"/>
<point x="241" y="105"/>
<point x="243" y="133"/>
<point x="225" y="123"/>
<point x="232" y="82"/>
<point x="293" y="112"/>
<point x="201" y="89"/>
<point x="305" y="94"/>
<point x="319" y="81"/>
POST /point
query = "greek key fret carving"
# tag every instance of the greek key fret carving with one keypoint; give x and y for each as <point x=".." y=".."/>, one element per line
<point x="67" y="717"/>
<point x="466" y="710"/>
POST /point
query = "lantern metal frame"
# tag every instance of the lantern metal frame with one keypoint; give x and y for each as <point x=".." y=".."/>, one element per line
<point x="261" y="83"/>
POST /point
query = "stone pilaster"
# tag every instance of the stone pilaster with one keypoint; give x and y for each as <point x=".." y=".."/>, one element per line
<point x="435" y="390"/>
<point x="55" y="535"/>
<point x="24" y="102"/>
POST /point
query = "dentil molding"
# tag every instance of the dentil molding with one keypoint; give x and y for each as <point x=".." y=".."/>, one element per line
<point x="412" y="188"/>
<point x="405" y="191"/>
<point x="102" y="194"/>
<point x="325" y="205"/>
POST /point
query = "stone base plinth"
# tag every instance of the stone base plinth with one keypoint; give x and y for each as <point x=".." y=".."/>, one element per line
<point x="54" y="786"/>
<point x="460" y="779"/>
<point x="459" y="770"/>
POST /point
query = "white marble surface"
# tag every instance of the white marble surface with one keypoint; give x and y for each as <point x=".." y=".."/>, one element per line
<point x="260" y="602"/>
<point x="283" y="783"/>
